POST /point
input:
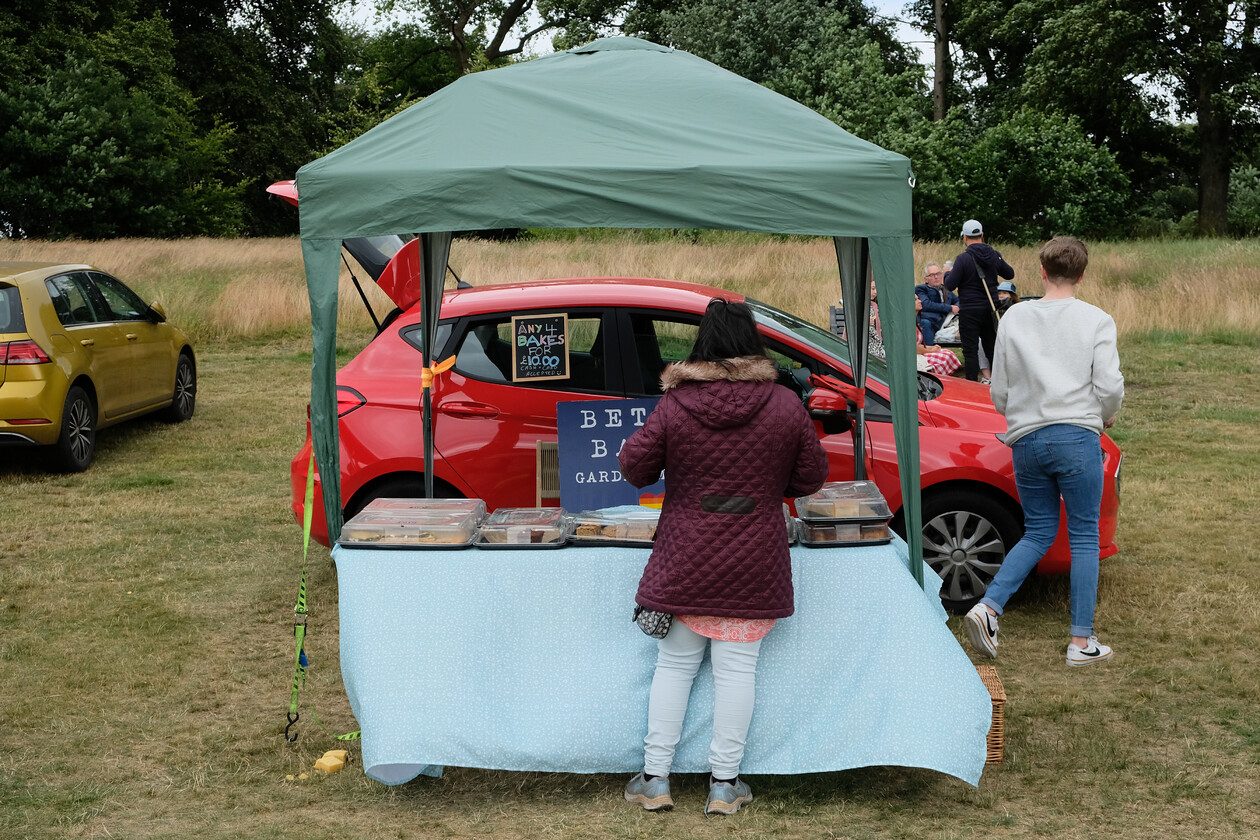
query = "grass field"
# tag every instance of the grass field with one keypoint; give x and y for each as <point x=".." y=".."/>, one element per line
<point x="146" y="605"/>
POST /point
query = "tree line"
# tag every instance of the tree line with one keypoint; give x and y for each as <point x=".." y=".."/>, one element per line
<point x="1101" y="118"/>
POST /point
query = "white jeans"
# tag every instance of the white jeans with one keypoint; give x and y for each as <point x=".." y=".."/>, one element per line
<point x="734" y="689"/>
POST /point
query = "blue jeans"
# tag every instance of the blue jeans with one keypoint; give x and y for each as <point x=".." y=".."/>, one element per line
<point x="1054" y="462"/>
<point x="928" y="325"/>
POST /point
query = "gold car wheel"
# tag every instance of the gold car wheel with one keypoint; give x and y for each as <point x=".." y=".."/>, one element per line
<point x="185" y="399"/>
<point x="78" y="433"/>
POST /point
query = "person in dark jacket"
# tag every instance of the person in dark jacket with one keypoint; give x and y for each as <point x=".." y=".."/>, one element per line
<point x="975" y="277"/>
<point x="938" y="302"/>
<point x="732" y="444"/>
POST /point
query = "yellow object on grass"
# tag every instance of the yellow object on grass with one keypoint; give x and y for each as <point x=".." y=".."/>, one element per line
<point x="332" y="761"/>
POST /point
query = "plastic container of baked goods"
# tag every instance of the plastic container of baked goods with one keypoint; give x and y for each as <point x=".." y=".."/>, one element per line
<point x="844" y="500"/>
<point x="629" y="526"/>
<point x="844" y="513"/>
<point x="425" y="507"/>
<point x="414" y="524"/>
<point x="821" y="532"/>
<point x="524" y="528"/>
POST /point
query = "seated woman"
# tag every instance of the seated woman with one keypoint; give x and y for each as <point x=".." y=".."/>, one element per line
<point x="875" y="336"/>
<point x="931" y="359"/>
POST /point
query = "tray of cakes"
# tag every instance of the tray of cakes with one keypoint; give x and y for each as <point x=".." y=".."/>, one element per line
<point x="414" y="523"/>
<point x="844" y="513"/>
<point x="524" y="528"/>
<point x="630" y="526"/>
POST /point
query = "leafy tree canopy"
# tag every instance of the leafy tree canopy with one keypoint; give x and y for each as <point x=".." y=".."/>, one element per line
<point x="833" y="57"/>
<point x="1038" y="175"/>
<point x="1098" y="117"/>
<point x="85" y="156"/>
<point x="1128" y="70"/>
<point x="487" y="33"/>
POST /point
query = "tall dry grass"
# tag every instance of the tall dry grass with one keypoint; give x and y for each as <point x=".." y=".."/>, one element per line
<point x="227" y="289"/>
<point x="1199" y="287"/>
<point x="216" y="289"/>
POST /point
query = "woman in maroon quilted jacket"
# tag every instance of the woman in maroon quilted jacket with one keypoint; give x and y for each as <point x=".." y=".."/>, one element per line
<point x="732" y="444"/>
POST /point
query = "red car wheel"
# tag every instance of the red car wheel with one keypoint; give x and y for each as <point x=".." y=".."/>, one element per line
<point x="966" y="535"/>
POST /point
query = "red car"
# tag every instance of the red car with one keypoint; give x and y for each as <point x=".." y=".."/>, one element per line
<point x="622" y="332"/>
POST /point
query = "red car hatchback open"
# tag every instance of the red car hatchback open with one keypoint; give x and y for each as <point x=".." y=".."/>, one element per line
<point x="622" y="333"/>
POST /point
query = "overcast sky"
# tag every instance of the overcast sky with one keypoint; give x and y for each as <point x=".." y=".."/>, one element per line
<point x="907" y="34"/>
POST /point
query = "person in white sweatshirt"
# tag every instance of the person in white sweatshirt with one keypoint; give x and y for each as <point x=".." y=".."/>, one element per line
<point x="1057" y="381"/>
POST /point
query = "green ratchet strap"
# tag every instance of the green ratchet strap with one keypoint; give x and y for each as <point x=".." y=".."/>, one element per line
<point x="299" y="620"/>
<point x="299" y="610"/>
<point x="349" y="736"/>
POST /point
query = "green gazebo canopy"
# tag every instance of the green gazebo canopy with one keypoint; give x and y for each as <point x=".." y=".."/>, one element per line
<point x="619" y="133"/>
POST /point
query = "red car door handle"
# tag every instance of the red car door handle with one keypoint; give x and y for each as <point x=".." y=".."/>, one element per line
<point x="468" y="409"/>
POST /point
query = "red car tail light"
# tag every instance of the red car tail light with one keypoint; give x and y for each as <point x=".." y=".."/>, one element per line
<point x="22" y="353"/>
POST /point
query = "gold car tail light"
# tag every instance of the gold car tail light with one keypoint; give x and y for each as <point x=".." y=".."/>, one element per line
<point x="24" y="352"/>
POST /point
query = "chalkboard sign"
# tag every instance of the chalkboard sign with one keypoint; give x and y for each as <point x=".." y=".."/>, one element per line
<point x="540" y="347"/>
<point x="591" y="433"/>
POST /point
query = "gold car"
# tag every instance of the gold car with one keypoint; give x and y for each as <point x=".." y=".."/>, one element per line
<point x="80" y="351"/>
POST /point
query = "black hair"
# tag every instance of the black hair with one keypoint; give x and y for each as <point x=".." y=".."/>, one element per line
<point x="727" y="331"/>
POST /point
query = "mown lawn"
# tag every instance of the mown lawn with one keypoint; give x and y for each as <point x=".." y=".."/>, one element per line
<point x="146" y="649"/>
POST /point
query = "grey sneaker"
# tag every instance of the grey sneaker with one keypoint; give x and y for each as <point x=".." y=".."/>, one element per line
<point x="727" y="798"/>
<point x="982" y="630"/>
<point x="1088" y="655"/>
<point x="652" y="794"/>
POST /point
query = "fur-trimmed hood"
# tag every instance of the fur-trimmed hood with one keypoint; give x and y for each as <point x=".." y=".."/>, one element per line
<point x="721" y="394"/>
<point x="742" y="369"/>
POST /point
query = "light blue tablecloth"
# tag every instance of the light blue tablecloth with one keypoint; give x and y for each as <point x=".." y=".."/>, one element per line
<point x="528" y="660"/>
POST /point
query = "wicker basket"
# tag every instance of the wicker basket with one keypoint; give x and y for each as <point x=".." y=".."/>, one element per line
<point x="989" y="676"/>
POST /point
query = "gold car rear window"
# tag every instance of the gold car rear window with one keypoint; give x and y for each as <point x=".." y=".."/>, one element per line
<point x="11" y="320"/>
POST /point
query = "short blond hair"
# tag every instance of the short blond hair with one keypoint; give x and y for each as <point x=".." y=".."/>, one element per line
<point x="1064" y="258"/>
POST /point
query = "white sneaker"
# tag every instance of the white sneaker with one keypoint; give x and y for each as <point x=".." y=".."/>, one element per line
<point x="1088" y="655"/>
<point x="982" y="627"/>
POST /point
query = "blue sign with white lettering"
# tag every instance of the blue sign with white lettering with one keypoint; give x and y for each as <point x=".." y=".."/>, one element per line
<point x="590" y="434"/>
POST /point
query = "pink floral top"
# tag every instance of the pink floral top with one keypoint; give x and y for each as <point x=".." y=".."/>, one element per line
<point x="728" y="629"/>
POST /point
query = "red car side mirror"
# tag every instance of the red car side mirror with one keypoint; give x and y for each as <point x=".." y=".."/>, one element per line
<point x="831" y="409"/>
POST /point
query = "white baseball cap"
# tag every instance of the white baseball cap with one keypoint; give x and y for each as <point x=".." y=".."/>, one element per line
<point x="972" y="228"/>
